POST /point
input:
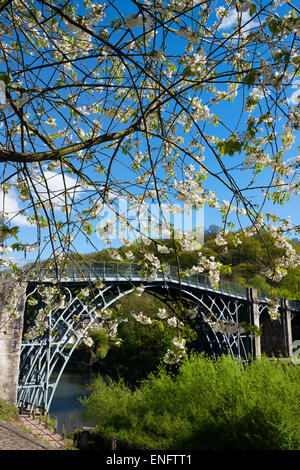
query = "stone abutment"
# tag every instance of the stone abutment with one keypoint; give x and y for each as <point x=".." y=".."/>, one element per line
<point x="12" y="305"/>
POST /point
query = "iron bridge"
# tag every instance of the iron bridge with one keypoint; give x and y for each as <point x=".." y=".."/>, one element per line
<point x="44" y="358"/>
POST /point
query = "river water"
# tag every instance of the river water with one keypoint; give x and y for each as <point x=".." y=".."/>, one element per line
<point x="65" y="405"/>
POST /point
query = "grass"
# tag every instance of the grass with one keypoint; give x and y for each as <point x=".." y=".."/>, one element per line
<point x="208" y="405"/>
<point x="8" y="412"/>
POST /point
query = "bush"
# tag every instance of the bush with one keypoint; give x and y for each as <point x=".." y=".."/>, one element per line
<point x="209" y="405"/>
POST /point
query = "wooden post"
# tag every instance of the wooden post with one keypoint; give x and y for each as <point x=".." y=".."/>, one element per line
<point x="55" y="425"/>
<point x="113" y="443"/>
<point x="287" y="328"/>
<point x="47" y="419"/>
<point x="75" y="436"/>
<point x="64" y="430"/>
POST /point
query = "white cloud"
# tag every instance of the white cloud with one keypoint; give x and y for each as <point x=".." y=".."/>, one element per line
<point x="56" y="187"/>
<point x="9" y="204"/>
<point x="230" y="21"/>
<point x="294" y="98"/>
<point x="19" y="262"/>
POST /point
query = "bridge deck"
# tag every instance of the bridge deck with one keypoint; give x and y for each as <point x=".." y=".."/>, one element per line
<point x="132" y="272"/>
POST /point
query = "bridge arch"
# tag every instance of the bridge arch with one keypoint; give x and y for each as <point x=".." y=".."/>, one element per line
<point x="41" y="356"/>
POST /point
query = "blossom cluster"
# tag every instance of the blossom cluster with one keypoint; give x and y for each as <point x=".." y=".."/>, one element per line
<point x="207" y="264"/>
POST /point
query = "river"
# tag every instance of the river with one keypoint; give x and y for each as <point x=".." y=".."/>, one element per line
<point x="65" y="404"/>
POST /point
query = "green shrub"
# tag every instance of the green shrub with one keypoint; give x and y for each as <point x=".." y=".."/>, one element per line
<point x="209" y="405"/>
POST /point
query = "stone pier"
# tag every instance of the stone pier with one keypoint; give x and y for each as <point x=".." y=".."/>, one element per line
<point x="12" y="305"/>
<point x="254" y="320"/>
<point x="276" y="335"/>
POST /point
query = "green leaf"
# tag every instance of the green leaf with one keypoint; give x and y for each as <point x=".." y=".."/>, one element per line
<point x="253" y="9"/>
<point x="230" y="146"/>
<point x="5" y="78"/>
<point x="250" y="78"/>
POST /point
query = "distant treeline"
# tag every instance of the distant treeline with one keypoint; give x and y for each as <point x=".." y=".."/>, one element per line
<point x="247" y="261"/>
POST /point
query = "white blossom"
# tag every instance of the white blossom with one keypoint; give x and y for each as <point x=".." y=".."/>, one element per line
<point x="32" y="247"/>
<point x="162" y="249"/>
<point x="179" y="342"/>
<point x="162" y="313"/>
<point x="172" y="357"/>
<point x="139" y="290"/>
<point x="220" y="240"/>
<point x="5" y="249"/>
<point x="87" y="340"/>
<point x="134" y="21"/>
<point x="51" y="122"/>
<point x="243" y="6"/>
<point x="173" y="322"/>
<point x="141" y="318"/>
<point x="158" y="56"/>
<point x="85" y="292"/>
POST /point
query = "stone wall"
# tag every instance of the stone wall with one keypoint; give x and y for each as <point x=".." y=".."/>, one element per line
<point x="12" y="304"/>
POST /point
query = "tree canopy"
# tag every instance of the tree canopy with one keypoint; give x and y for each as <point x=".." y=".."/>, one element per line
<point x="177" y="105"/>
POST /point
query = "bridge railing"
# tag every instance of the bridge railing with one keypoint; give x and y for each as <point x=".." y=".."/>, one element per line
<point x="132" y="271"/>
<point x="125" y="271"/>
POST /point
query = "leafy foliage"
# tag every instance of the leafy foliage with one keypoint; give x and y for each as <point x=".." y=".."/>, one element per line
<point x="142" y="347"/>
<point x="208" y="405"/>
